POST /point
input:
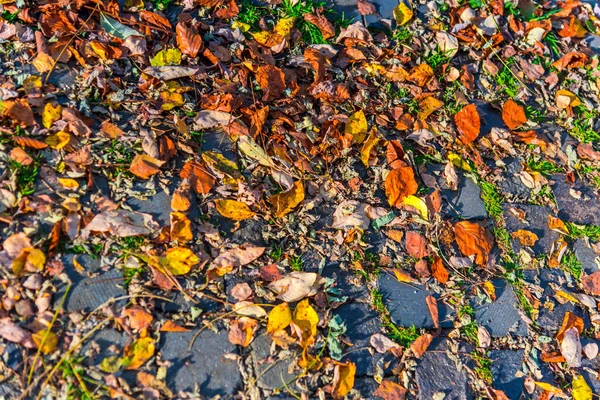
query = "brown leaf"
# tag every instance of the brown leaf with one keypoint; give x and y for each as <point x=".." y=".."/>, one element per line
<point x="19" y="110"/>
<point x="229" y="10"/>
<point x="389" y="390"/>
<point x="420" y="345"/>
<point x="241" y="331"/>
<point x="366" y="8"/>
<point x="327" y="29"/>
<point x="271" y="80"/>
<point x="188" y="39"/>
<point x="317" y="61"/>
<point x="438" y="271"/>
<point x="416" y="244"/>
<point x="569" y="321"/>
<point x="573" y="59"/>
<point x="170" y="326"/>
<point x="420" y="75"/>
<point x="236" y="257"/>
<point x="468" y="123"/>
<point x="143" y="166"/>
<point x="400" y="183"/>
<point x="591" y="283"/>
<point x="395" y="154"/>
<point x="284" y="203"/>
<point x="200" y="180"/>
<point x="29" y="142"/>
<point x="433" y="310"/>
<point x="513" y="115"/>
<point x="138" y="317"/>
<point x="473" y="239"/>
<point x="155" y="19"/>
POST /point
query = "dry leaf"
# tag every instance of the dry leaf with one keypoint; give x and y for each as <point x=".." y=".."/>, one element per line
<point x="513" y="114"/>
<point x="343" y="379"/>
<point x="526" y="238"/>
<point x="280" y="318"/>
<point x="271" y="80"/>
<point x="416" y="244"/>
<point x="357" y="126"/>
<point x="188" y="39"/>
<point x="433" y="310"/>
<point x="241" y="331"/>
<point x="389" y="390"/>
<point x="200" y="180"/>
<point x="438" y="271"/>
<point x="296" y="286"/>
<point x="143" y="166"/>
<point x="468" y="124"/>
<point x="402" y="14"/>
<point x="400" y="183"/>
<point x="591" y="283"/>
<point x="473" y="240"/>
<point x="306" y="319"/>
<point x="138" y="353"/>
<point x="233" y="209"/>
<point x="420" y="345"/>
<point x="284" y="203"/>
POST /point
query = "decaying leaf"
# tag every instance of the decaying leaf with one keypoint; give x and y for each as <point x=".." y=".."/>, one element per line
<point x="296" y="286"/>
<point x="233" y="209"/>
<point x="399" y="184"/>
<point x="284" y="203"/>
<point x="473" y="240"/>
<point x="343" y="379"/>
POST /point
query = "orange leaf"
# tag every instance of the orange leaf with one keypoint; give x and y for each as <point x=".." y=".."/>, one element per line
<point x="19" y="110"/>
<point x="171" y="326"/>
<point x="438" y="271"/>
<point x="416" y="244"/>
<point x="433" y="310"/>
<point x="420" y="75"/>
<point x="138" y="317"/>
<point x="389" y="390"/>
<point x="241" y="331"/>
<point x="513" y="115"/>
<point x="473" y="240"/>
<point x="591" y="283"/>
<point x="400" y="183"/>
<point x="569" y="321"/>
<point x="200" y="180"/>
<point x="468" y="123"/>
<point x="271" y="80"/>
<point x="343" y="379"/>
<point x="29" y="142"/>
<point x="420" y="345"/>
<point x="188" y="40"/>
<point x="144" y="166"/>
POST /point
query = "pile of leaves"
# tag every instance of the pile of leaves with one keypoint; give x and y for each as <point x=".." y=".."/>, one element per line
<point x="324" y="131"/>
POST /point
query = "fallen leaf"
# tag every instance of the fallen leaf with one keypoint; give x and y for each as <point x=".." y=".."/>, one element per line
<point x="170" y="326"/>
<point x="382" y="343"/>
<point x="284" y="203"/>
<point x="181" y="227"/>
<point x="121" y="223"/>
<point x="468" y="123"/>
<point x="166" y="57"/>
<point x="526" y="238"/>
<point x="236" y="257"/>
<point x="271" y="80"/>
<point x="400" y="183"/>
<point x="241" y="331"/>
<point x="420" y="345"/>
<point x="305" y="318"/>
<point x="180" y="260"/>
<point x="233" y="209"/>
<point x="402" y="14"/>
<point x="513" y="114"/>
<point x="416" y="244"/>
<point x="280" y="318"/>
<point x="357" y="126"/>
<point x="296" y="286"/>
<point x="389" y="390"/>
<point x="591" y="283"/>
<point x="372" y="141"/>
<point x="201" y="181"/>
<point x="427" y="106"/>
<point x="343" y="379"/>
<point x="438" y="271"/>
<point x="420" y="75"/>
<point x="366" y="8"/>
<point x="138" y="317"/>
<point x="570" y="320"/>
<point x="433" y="310"/>
<point x="143" y="166"/>
<point x="51" y="114"/>
<point x="581" y="390"/>
<point x="48" y="345"/>
<point x="570" y="347"/>
<point x="548" y="387"/>
<point x="483" y="337"/>
<point x="473" y="240"/>
<point x="189" y="40"/>
<point x="249" y="147"/>
<point x="249" y="309"/>
<point x="138" y="353"/>
<point x="418" y="204"/>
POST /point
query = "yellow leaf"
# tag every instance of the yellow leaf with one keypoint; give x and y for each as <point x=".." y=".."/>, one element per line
<point x="223" y="165"/>
<point x="581" y="390"/>
<point x="138" y="353"/>
<point x="284" y="203"/>
<point x="357" y="126"/>
<point x="284" y="26"/>
<point x="402" y="14"/>
<point x="233" y="209"/>
<point x="374" y="68"/>
<point x="43" y="62"/>
<point x="549" y="388"/>
<point x="59" y="140"/>
<point x="180" y="260"/>
<point x="526" y="238"/>
<point x="343" y="378"/>
<point x="170" y="100"/>
<point x="416" y="202"/>
<point x="166" y="57"/>
<point x="68" y="183"/>
<point x="565" y="99"/>
<point x="306" y="318"/>
<point x="36" y="259"/>
<point x="566" y="296"/>
<point x="427" y="106"/>
<point x="242" y="26"/>
<point x="556" y="224"/>
<point x="490" y="289"/>
<point x="51" y="114"/>
<point x="402" y="276"/>
<point x="48" y="345"/>
<point x="99" y="49"/>
<point x="279" y="318"/>
<point x="181" y="227"/>
<point x="365" y="152"/>
<point x="459" y="162"/>
<point x="111" y="364"/>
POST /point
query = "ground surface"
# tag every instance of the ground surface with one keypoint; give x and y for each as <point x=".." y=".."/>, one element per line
<point x="230" y="199"/>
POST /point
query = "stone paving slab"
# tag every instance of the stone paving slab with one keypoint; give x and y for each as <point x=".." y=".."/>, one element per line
<point x="211" y="364"/>
<point x="407" y="306"/>
<point x="501" y="317"/>
<point x="583" y="210"/>
<point x="536" y="221"/>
